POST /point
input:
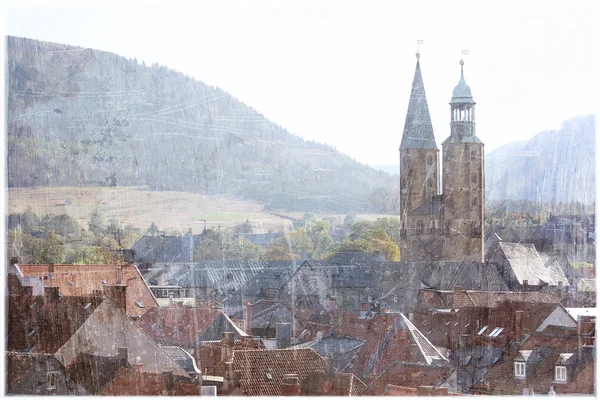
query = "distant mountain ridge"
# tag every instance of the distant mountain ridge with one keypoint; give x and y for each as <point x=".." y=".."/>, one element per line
<point x="552" y="167"/>
<point x="83" y="117"/>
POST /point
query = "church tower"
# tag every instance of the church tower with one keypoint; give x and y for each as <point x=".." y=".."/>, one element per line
<point x="420" y="202"/>
<point x="463" y="180"/>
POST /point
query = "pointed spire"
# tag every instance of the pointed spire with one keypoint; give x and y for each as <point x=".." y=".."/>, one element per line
<point x="418" y="130"/>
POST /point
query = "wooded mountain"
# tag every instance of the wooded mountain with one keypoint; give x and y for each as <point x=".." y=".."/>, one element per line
<point x="83" y="117"/>
<point x="552" y="167"/>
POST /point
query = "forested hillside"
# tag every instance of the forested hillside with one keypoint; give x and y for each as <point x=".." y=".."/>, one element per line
<point x="552" y="167"/>
<point x="83" y="117"/>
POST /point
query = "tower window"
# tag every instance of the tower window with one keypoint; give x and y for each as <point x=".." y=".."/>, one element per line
<point x="429" y="160"/>
<point x="474" y="178"/>
<point x="474" y="202"/>
<point x="420" y="227"/>
<point x="473" y="155"/>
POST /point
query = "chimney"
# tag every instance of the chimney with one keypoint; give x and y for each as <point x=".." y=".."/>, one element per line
<point x="227" y="343"/>
<point x="14" y="260"/>
<point x="248" y="322"/>
<point x="51" y="294"/>
<point x="518" y="326"/>
<point x="364" y="306"/>
<point x="237" y="378"/>
<point x="290" y="385"/>
<point x="138" y="367"/>
<point x="283" y="335"/>
<point x="525" y="282"/>
<point x="169" y="381"/>
<point x="119" y="274"/>
<point x="51" y="268"/>
<point x="122" y="352"/>
<point x="118" y="295"/>
<point x="247" y="342"/>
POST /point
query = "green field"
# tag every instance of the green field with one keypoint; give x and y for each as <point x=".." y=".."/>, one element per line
<point x="140" y="206"/>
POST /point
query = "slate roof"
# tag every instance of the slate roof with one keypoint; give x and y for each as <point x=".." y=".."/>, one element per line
<point x="95" y="372"/>
<point x="185" y="326"/>
<point x="166" y="249"/>
<point x="418" y="130"/>
<point x="472" y="363"/>
<point x="24" y="370"/>
<point x="262" y="371"/>
<point x="227" y="277"/>
<point x="183" y="358"/>
<point x="526" y="264"/>
<point x="340" y="349"/>
<point x="400" y="280"/>
<point x="88" y="280"/>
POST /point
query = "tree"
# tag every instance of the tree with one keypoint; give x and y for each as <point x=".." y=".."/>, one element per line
<point x="153" y="229"/>
<point x="301" y="242"/>
<point x="279" y="251"/>
<point x="97" y="225"/>
<point x="366" y="238"/>
<point x="243" y="249"/>
<point x="44" y="251"/>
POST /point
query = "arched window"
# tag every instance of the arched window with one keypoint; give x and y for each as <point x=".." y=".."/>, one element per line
<point x="474" y="178"/>
<point x="420" y="227"/>
<point x="474" y="202"/>
<point x="473" y="155"/>
<point x="429" y="160"/>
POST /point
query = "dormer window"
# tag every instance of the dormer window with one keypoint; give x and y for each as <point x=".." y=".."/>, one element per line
<point x="520" y="370"/>
<point x="560" y="373"/>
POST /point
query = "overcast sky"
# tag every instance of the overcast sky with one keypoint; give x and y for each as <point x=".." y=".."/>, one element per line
<point x="340" y="72"/>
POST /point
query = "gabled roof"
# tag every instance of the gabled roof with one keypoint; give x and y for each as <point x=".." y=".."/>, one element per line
<point x="478" y="298"/>
<point x="410" y="375"/>
<point x="418" y="130"/>
<point x="428" y="351"/>
<point x="184" y="326"/>
<point x="88" y="280"/>
<point x="262" y="371"/>
<point x="527" y="265"/>
<point x="540" y="352"/>
<point x="24" y="371"/>
<point x="42" y="325"/>
<point x="166" y="248"/>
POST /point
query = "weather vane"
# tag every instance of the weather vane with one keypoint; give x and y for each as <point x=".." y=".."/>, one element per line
<point x="463" y="54"/>
<point x="418" y="43"/>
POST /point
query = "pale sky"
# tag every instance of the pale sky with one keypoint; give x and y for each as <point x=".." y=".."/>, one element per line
<point x="340" y="72"/>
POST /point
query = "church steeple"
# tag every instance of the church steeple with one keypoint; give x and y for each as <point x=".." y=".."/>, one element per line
<point x="462" y="112"/>
<point x="418" y="131"/>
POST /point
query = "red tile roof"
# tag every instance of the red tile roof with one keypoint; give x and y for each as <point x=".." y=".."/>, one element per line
<point x="263" y="370"/>
<point x="86" y="280"/>
<point x="42" y="325"/>
<point x="130" y="382"/>
<point x="474" y="298"/>
<point x="409" y="375"/>
<point x="500" y="378"/>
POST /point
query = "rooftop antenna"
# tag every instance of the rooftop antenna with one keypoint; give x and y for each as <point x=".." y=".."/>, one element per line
<point x="418" y="43"/>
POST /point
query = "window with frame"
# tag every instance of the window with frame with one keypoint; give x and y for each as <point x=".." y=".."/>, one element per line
<point x="560" y="373"/>
<point x="520" y="370"/>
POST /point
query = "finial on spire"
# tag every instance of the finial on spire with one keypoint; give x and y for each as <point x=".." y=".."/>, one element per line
<point x="462" y="62"/>
<point x="418" y="53"/>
